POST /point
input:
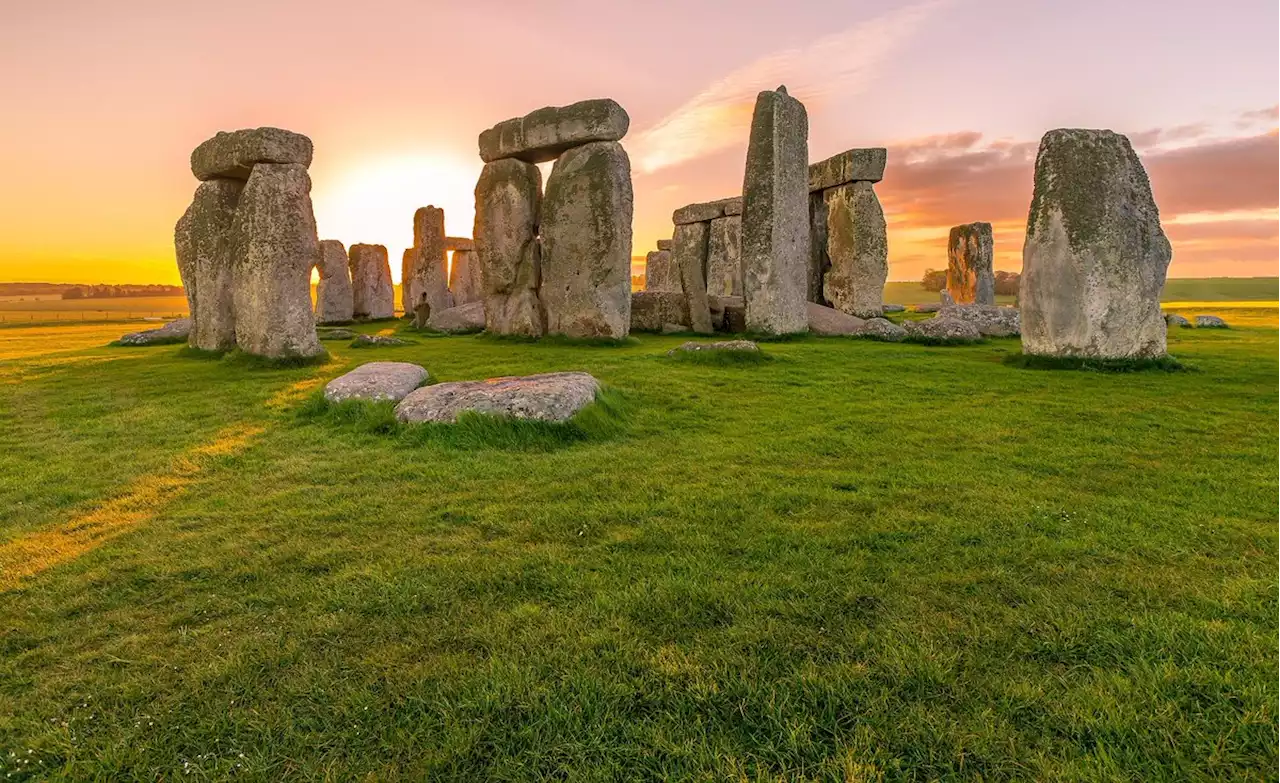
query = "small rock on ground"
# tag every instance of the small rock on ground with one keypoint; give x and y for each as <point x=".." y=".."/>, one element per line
<point x="463" y="318"/>
<point x="829" y="321"/>
<point x="894" y="308"/>
<point x="882" y="329"/>
<point x="335" y="334"/>
<point x="725" y="345"/>
<point x="553" y="396"/>
<point x="379" y="340"/>
<point x="174" y="331"/>
<point x="376" y="381"/>
<point x="1210" y="322"/>
<point x="944" y="330"/>
<point x="1173" y="319"/>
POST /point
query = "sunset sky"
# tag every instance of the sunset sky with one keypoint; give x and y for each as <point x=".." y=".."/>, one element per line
<point x="103" y="103"/>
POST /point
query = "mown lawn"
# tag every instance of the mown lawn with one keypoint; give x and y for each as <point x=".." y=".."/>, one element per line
<point x="856" y="561"/>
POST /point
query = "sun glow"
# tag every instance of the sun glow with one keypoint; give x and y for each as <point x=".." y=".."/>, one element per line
<point x="374" y="201"/>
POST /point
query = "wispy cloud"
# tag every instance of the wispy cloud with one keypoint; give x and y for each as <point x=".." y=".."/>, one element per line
<point x="840" y="64"/>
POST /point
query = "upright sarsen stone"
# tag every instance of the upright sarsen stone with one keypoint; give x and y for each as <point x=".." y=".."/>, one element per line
<point x="775" y="216"/>
<point x="724" y="256"/>
<point x="465" y="283"/>
<point x="1095" y="257"/>
<point x="689" y="256"/>
<point x="971" y="277"/>
<point x="819" y="261"/>
<point x="373" y="295"/>
<point x="659" y="273"/>
<point x="508" y="200"/>
<point x="333" y="293"/>
<point x="429" y="268"/>
<point x="858" y="248"/>
<point x="586" y="242"/>
<point x="275" y="248"/>
<point x="204" y="243"/>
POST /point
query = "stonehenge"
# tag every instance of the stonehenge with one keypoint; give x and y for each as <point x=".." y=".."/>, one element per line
<point x="247" y="244"/>
<point x="373" y="295"/>
<point x="333" y="293"/>
<point x="465" y="283"/>
<point x="706" y="255"/>
<point x="558" y="263"/>
<point x="970" y="274"/>
<point x="775" y="204"/>
<point x="1095" y="256"/>
<point x="849" y="250"/>
<point x="425" y="270"/>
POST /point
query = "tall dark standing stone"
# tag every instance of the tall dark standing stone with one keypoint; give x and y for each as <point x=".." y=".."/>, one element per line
<point x="508" y="200"/>
<point x="274" y="236"/>
<point x="971" y="275"/>
<point x="724" y="257"/>
<point x="205" y="251"/>
<point x="819" y="261"/>
<point x="429" y="270"/>
<point x="373" y="294"/>
<point x="775" y="216"/>
<point x="857" y="244"/>
<point x="586" y="242"/>
<point x="1095" y="257"/>
<point x="334" y="304"/>
<point x="465" y="284"/>
<point x="689" y="256"/>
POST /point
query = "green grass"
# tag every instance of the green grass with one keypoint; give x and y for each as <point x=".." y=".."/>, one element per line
<point x="1090" y="364"/>
<point x="720" y="358"/>
<point x="860" y="561"/>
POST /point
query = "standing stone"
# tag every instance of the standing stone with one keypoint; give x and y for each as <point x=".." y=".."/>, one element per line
<point x="508" y="199"/>
<point x="373" y="295"/>
<point x="586" y="242"/>
<point x="819" y="261"/>
<point x="430" y="266"/>
<point x="333" y="292"/>
<point x="275" y="246"/>
<point x="689" y="254"/>
<point x="775" y="216"/>
<point x="659" y="274"/>
<point x="203" y="241"/>
<point x="971" y="277"/>
<point x="465" y="285"/>
<point x="409" y="296"/>
<point x="857" y="243"/>
<point x="724" y="257"/>
<point x="1095" y="256"/>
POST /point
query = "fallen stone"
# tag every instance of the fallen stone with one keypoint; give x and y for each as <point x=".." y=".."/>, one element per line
<point x="1173" y="319"/>
<point x="881" y="329"/>
<point x="508" y="200"/>
<point x="775" y="216"/>
<point x="971" y="278"/>
<point x="545" y="134"/>
<point x="373" y="295"/>
<point x="893" y="308"/>
<point x="689" y="259"/>
<point x="468" y="317"/>
<point x="744" y="346"/>
<point x="943" y="330"/>
<point x="275" y="248"/>
<point x="926" y="308"/>
<point x="335" y="334"/>
<point x="1095" y="256"/>
<point x="991" y="320"/>
<point x="858" y="247"/>
<point x="553" y="396"/>
<point x="465" y="282"/>
<point x="203" y="242"/>
<point x="377" y="341"/>
<point x="724" y="257"/>
<point x="175" y="331"/>
<point x="831" y="322"/>
<point x="234" y="154"/>
<point x="334" y="303"/>
<point x="653" y="311"/>
<point x="376" y="381"/>
<point x="706" y="211"/>
<point x="856" y="165"/>
<point x="1210" y="322"/>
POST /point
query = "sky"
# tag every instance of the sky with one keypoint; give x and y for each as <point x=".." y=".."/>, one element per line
<point x="103" y="103"/>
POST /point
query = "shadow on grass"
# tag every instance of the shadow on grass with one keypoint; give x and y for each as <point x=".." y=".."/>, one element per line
<point x="561" y="340"/>
<point x="604" y="419"/>
<point x="1087" y="364"/>
<point x="919" y="339"/>
<point x="189" y="352"/>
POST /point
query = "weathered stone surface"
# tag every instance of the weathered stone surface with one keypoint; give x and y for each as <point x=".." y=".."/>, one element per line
<point x="1095" y="257"/>
<point x="856" y="165"/>
<point x="724" y="257"/>
<point x="335" y="334"/>
<point x="941" y="329"/>
<point x="428" y="263"/>
<point x="652" y="311"/>
<point x="660" y="273"/>
<point x="176" y="331"/>
<point x="334" y="304"/>
<point x="775" y="216"/>
<point x="586" y="242"/>
<point x="819" y="260"/>
<point x="927" y="308"/>
<point x="274" y="249"/>
<point x="894" y="308"/>
<point x="665" y="244"/>
<point x="544" y="134"/>
<point x="882" y="329"/>
<point x="465" y="282"/>
<point x="1173" y="319"/>
<point x="467" y="317"/>
<point x="373" y="294"/>
<point x="707" y="210"/>
<point x="728" y="313"/>
<point x="830" y="321"/>
<point x="971" y="277"/>
<point x="857" y="243"/>
<point x="553" y="396"/>
<point x="233" y="154"/>
<point x="204" y="245"/>
<point x="991" y="320"/>
<point x="376" y="381"/>
<point x="746" y="346"/>
<point x="409" y="296"/>
<point x="945" y="299"/>
<point x="689" y="258"/>
<point x="508" y="201"/>
<point x="1210" y="322"/>
<point x="456" y="244"/>
<point x="377" y="341"/>
<point x="732" y="206"/>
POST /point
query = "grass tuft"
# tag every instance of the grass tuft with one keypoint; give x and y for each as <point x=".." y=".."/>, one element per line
<point x="248" y="361"/>
<point x="1090" y="364"/>
<point x="716" y="358"/>
<point x="191" y="352"/>
<point x="920" y="339"/>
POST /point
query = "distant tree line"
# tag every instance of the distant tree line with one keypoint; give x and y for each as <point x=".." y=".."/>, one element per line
<point x="1006" y="282"/>
<point x="117" y="291"/>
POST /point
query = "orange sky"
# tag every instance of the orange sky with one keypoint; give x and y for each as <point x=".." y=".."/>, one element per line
<point x="110" y="100"/>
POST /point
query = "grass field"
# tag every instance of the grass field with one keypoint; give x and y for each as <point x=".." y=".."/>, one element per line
<point x="856" y="561"/>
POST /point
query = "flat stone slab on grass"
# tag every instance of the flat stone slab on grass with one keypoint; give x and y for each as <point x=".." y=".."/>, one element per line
<point x="463" y="318"/>
<point x="376" y="381"/>
<point x="991" y="320"/>
<point x="743" y="346"/>
<point x="1173" y="319"/>
<point x="175" y="331"/>
<point x="1210" y="322"/>
<point x="944" y="330"/>
<point x="927" y="308"/>
<point x="831" y="322"/>
<point x="555" y="396"/>
<point x="893" y="308"/>
<point x="335" y="334"/>
<point x="882" y="329"/>
<point x="377" y="341"/>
